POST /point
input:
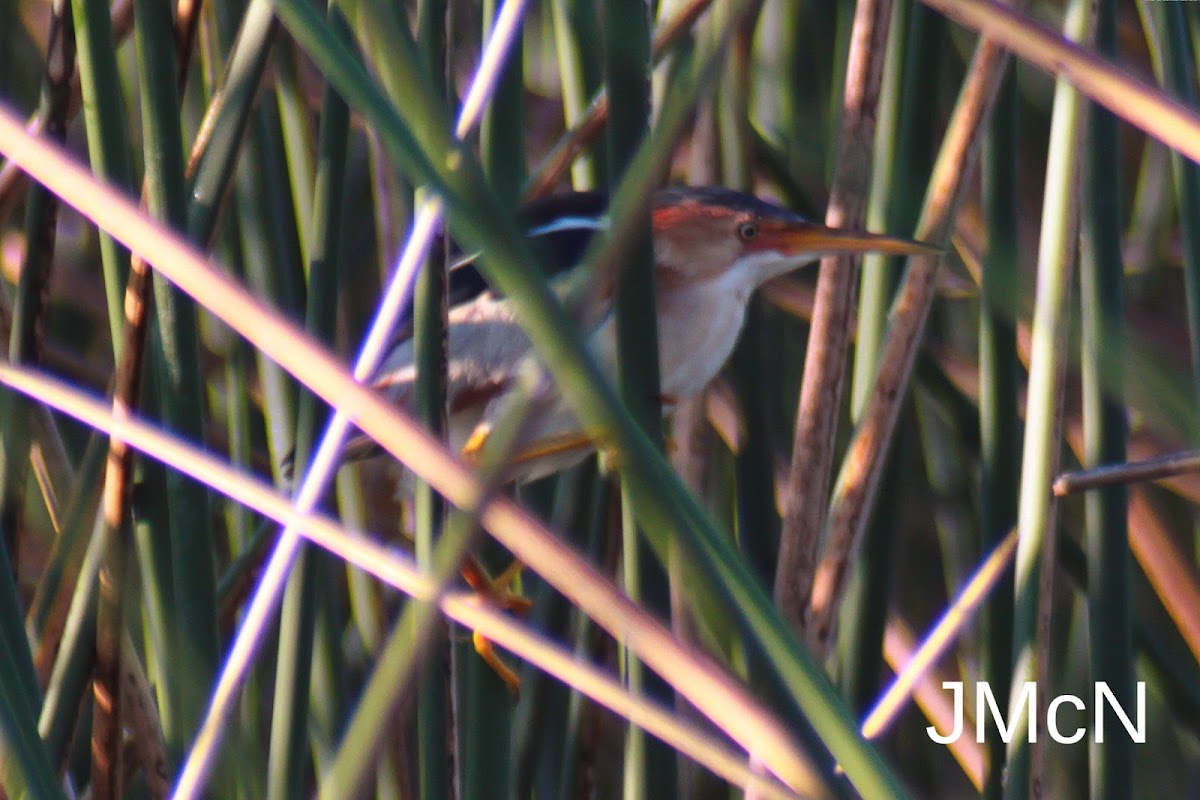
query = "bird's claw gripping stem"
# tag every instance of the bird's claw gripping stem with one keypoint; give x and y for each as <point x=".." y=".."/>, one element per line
<point x="497" y="591"/>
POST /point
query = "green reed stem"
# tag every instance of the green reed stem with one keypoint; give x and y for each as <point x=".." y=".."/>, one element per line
<point x="433" y="712"/>
<point x="649" y="765"/>
<point x="999" y="425"/>
<point x="1102" y="303"/>
<point x="308" y="583"/>
<point x="580" y="62"/>
<point x="1036" y="511"/>
<point x="176" y="359"/>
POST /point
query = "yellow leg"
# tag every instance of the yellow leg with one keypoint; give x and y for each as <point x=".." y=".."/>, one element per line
<point x="553" y="446"/>
<point x="541" y="448"/>
<point x="497" y="591"/>
<point x="474" y="446"/>
<point x="488" y="653"/>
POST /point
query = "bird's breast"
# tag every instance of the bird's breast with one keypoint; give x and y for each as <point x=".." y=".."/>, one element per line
<point x="698" y="328"/>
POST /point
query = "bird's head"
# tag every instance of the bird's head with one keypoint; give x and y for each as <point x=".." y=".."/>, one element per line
<point x="705" y="233"/>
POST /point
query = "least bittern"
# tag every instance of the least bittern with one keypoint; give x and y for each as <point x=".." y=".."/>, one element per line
<point x="713" y="248"/>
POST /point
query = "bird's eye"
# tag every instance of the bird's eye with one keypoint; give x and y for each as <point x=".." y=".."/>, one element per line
<point x="747" y="231"/>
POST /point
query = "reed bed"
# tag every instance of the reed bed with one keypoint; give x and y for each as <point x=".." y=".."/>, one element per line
<point x="214" y="215"/>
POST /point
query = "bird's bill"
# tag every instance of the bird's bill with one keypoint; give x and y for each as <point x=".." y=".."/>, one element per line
<point x="817" y="239"/>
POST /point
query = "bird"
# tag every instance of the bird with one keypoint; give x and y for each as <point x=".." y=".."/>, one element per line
<point x="713" y="248"/>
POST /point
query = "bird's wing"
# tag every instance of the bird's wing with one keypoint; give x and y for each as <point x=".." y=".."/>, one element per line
<point x="559" y="229"/>
<point x="484" y="345"/>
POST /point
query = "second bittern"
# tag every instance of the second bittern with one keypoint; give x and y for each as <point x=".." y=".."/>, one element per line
<point x="713" y="248"/>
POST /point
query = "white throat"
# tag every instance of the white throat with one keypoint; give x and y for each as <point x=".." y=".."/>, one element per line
<point x="754" y="270"/>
